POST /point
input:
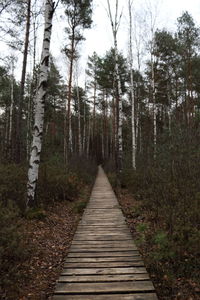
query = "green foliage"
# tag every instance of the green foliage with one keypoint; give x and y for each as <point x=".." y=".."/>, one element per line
<point x="35" y="213"/>
<point x="55" y="183"/>
<point x="13" y="184"/>
<point x="79" y="207"/>
<point x="142" y="227"/>
<point x="85" y="168"/>
<point x="164" y="248"/>
<point x="12" y="250"/>
<point x="167" y="189"/>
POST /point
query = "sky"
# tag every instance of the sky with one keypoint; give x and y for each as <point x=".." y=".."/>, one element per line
<point x="99" y="37"/>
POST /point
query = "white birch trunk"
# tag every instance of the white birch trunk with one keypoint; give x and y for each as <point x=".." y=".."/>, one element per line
<point x="154" y="106"/>
<point x="11" y="110"/>
<point x="88" y="139"/>
<point x="132" y="90"/>
<point x="115" y="26"/>
<point x="84" y="128"/>
<point x="79" y="122"/>
<point x="28" y="131"/>
<point x="39" y="108"/>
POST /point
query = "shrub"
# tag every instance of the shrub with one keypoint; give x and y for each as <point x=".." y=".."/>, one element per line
<point x="79" y="207"/>
<point x="13" y="184"/>
<point x="12" y="250"/>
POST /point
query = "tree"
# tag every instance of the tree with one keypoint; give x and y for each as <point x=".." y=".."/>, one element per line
<point x="92" y="71"/>
<point x="36" y="146"/>
<point x="132" y="88"/>
<point x="4" y="4"/>
<point x="78" y="14"/>
<point x="188" y="39"/>
<point x="22" y="83"/>
<point x="119" y="142"/>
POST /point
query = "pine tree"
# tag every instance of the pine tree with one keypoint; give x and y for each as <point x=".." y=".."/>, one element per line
<point x="78" y="14"/>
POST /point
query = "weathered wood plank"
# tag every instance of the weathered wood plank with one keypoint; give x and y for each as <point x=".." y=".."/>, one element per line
<point x="106" y="242"/>
<point x="102" y="238"/>
<point x="103" y="265"/>
<point x="80" y="248"/>
<point x="104" y="271"/>
<point x="105" y="254"/>
<point x="102" y="259"/>
<point x="98" y="287"/>
<point x="104" y="278"/>
<point x="101" y="232"/>
<point x="142" y="296"/>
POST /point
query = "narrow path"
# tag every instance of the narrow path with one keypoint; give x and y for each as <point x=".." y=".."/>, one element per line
<point x="103" y="261"/>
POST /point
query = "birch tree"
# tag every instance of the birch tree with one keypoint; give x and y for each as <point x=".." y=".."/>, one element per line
<point x="22" y="83"/>
<point x="115" y="23"/>
<point x="91" y="71"/>
<point x="36" y="146"/>
<point x="152" y="13"/>
<point x="13" y="60"/>
<point x="132" y="87"/>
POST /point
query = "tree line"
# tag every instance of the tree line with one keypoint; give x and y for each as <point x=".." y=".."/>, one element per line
<point x="122" y="114"/>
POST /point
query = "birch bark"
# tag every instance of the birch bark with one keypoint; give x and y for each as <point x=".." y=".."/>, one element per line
<point x="11" y="110"/>
<point x="154" y="105"/>
<point x="132" y="89"/>
<point x="22" y="83"/>
<point x="79" y="122"/>
<point x="39" y="107"/>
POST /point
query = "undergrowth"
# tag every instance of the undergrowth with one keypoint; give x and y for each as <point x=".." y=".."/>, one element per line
<point x="56" y="184"/>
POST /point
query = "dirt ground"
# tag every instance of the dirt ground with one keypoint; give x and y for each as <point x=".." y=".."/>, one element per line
<point x="174" y="288"/>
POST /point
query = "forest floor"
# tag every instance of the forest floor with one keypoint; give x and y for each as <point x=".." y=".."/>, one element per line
<point x="47" y="241"/>
<point x="167" y="287"/>
<point x="49" y="238"/>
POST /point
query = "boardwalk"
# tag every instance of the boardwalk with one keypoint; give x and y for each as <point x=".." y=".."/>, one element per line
<point x="103" y="261"/>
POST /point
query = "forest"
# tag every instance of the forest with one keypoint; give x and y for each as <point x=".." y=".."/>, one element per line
<point x="137" y="114"/>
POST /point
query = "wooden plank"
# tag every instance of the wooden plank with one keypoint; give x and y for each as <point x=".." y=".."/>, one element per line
<point x="102" y="233"/>
<point x="102" y="259"/>
<point x="100" y="271"/>
<point x="105" y="254"/>
<point x="102" y="238"/>
<point x="115" y="243"/>
<point x="97" y="232"/>
<point x="104" y="278"/>
<point x="102" y="210"/>
<point x="108" y="287"/>
<point x="80" y="248"/>
<point x="103" y="227"/>
<point x="99" y="223"/>
<point x="142" y="296"/>
<point x="103" y="265"/>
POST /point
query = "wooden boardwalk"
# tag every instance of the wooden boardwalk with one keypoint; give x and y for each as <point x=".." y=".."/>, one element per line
<point x="103" y="261"/>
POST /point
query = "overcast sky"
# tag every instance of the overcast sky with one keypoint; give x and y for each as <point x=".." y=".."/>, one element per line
<point x="99" y="37"/>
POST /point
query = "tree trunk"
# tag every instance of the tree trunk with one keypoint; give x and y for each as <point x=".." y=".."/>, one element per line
<point x="154" y="106"/>
<point x="79" y="123"/>
<point x="132" y="90"/>
<point x="84" y="128"/>
<point x="39" y="108"/>
<point x="68" y="120"/>
<point x="22" y="84"/>
<point x="88" y="139"/>
<point x="115" y="26"/>
<point x="11" y="112"/>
